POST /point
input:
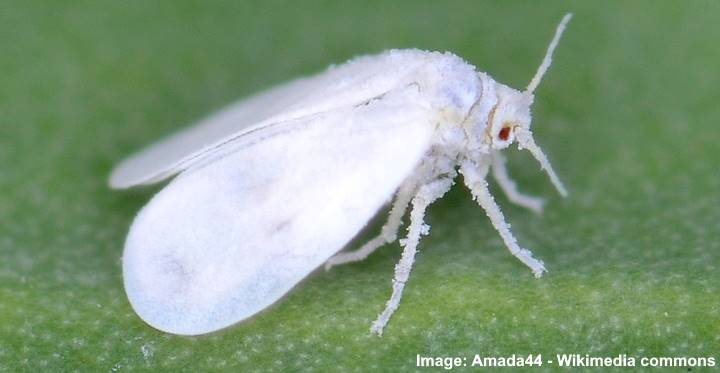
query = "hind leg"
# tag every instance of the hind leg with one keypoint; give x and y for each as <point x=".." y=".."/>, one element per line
<point x="388" y="233"/>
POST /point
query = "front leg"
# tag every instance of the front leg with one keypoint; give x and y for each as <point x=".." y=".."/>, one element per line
<point x="474" y="175"/>
<point x="499" y="170"/>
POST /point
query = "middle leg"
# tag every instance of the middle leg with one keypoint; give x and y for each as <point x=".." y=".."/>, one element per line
<point x="426" y="195"/>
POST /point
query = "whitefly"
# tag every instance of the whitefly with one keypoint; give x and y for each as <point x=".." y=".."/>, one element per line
<point x="274" y="186"/>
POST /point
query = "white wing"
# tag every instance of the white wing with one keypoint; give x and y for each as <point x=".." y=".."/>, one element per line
<point x="229" y="237"/>
<point x="350" y="84"/>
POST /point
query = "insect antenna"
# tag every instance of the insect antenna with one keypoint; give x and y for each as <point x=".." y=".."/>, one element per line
<point x="526" y="141"/>
<point x="523" y="135"/>
<point x="548" y="55"/>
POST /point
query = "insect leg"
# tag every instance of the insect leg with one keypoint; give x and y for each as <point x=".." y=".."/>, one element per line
<point x="508" y="186"/>
<point x="388" y="233"/>
<point x="474" y="175"/>
<point x="426" y="195"/>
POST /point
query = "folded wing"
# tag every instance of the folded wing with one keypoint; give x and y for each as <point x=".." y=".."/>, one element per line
<point x="231" y="235"/>
<point x="344" y="86"/>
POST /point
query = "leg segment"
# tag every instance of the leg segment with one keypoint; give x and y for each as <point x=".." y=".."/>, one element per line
<point x="388" y="233"/>
<point x="474" y="175"/>
<point x="426" y="195"/>
<point x="508" y="186"/>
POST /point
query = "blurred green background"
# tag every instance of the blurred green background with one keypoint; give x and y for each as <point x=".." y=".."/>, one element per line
<point x="629" y="114"/>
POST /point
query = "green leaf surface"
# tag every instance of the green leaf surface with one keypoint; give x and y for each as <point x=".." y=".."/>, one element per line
<point x="628" y="113"/>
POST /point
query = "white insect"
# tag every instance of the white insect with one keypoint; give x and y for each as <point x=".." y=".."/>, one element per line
<point x="275" y="185"/>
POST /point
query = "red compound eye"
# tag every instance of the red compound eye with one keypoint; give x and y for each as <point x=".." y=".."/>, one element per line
<point x="504" y="133"/>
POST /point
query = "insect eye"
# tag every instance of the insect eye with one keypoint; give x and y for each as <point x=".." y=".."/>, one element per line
<point x="504" y="133"/>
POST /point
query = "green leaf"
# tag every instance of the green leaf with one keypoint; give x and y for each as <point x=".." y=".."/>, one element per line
<point x="628" y="113"/>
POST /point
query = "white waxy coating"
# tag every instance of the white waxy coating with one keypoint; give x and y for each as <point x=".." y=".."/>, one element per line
<point x="234" y="233"/>
<point x="222" y="242"/>
<point x="276" y="184"/>
<point x="343" y="86"/>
